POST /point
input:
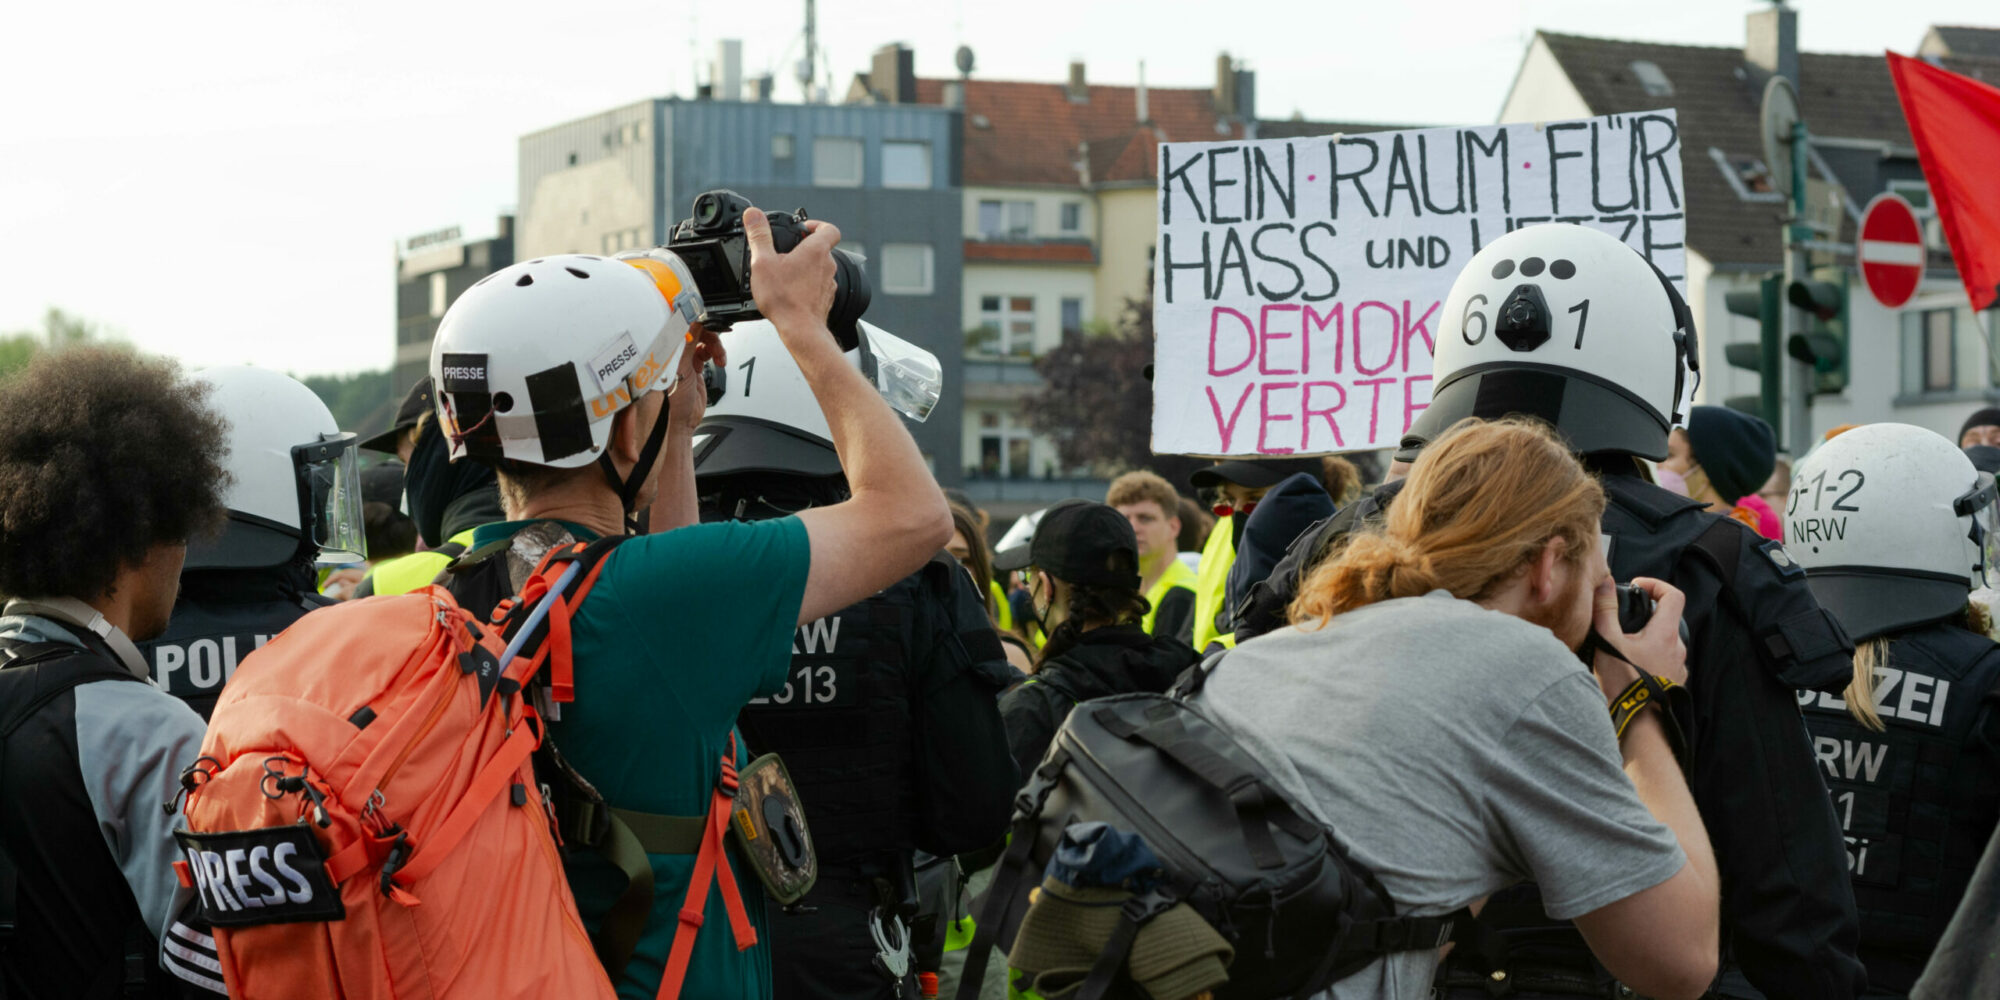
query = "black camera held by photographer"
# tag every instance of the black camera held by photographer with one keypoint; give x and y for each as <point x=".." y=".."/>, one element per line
<point x="712" y="243"/>
<point x="1635" y="609"/>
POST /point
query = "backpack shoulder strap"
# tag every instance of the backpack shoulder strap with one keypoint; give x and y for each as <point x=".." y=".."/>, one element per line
<point x="1195" y="678"/>
<point x="29" y="682"/>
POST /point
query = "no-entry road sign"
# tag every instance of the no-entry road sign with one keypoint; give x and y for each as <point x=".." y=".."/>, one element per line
<point x="1891" y="250"/>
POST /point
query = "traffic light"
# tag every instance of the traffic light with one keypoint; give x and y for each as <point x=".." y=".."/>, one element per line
<point x="1762" y="305"/>
<point x="1823" y="345"/>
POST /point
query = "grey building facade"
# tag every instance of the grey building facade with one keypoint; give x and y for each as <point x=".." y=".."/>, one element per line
<point x="887" y="175"/>
<point x="431" y="272"/>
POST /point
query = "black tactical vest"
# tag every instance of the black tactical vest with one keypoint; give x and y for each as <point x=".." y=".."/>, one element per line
<point x="221" y="617"/>
<point x="845" y="720"/>
<point x="1918" y="801"/>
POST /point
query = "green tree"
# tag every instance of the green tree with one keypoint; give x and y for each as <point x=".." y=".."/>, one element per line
<point x="362" y="402"/>
<point x="58" y="329"/>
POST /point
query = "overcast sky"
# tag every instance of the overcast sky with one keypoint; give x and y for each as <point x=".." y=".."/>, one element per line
<point x="225" y="180"/>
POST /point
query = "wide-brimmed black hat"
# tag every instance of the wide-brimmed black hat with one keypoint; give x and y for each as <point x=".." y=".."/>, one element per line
<point x="415" y="404"/>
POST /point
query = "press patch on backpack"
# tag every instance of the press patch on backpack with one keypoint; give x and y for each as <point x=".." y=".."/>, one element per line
<point x="1774" y="550"/>
<point x="251" y="877"/>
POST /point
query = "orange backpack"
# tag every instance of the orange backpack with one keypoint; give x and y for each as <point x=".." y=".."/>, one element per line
<point x="364" y="822"/>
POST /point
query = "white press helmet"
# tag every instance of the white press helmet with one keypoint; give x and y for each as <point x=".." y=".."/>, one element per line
<point x="1890" y="522"/>
<point x="1568" y="324"/>
<point x="296" y="482"/>
<point x="534" y="361"/>
<point x="766" y="419"/>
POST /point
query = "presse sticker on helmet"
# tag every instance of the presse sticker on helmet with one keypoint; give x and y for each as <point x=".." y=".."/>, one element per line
<point x="1302" y="286"/>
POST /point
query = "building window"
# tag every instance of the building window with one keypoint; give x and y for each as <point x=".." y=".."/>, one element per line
<point x="440" y="298"/>
<point x="906" y="164"/>
<point x="1005" y="447"/>
<point x="1072" y="216"/>
<point x="572" y="159"/>
<point x="1930" y="355"/>
<point x="1072" y="317"/>
<point x="836" y="162"/>
<point x="906" y="268"/>
<point x="781" y="145"/>
<point x="1917" y="193"/>
<point x="1012" y="220"/>
<point x="1008" y="326"/>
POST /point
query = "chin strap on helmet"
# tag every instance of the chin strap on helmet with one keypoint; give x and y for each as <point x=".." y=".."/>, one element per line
<point x="628" y="487"/>
<point x="1685" y="344"/>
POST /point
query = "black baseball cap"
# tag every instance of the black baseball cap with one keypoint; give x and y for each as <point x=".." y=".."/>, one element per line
<point x="1251" y="474"/>
<point x="414" y="406"/>
<point x="1078" y="541"/>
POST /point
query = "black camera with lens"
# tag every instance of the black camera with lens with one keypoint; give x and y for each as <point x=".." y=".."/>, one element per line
<point x="712" y="243"/>
<point x="1635" y="610"/>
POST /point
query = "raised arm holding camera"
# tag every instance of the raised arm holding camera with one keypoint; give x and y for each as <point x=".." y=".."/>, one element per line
<point x="555" y="365"/>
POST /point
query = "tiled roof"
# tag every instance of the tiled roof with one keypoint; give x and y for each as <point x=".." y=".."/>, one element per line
<point x="1032" y="133"/>
<point x="1717" y="95"/>
<point x="1296" y="128"/>
<point x="1968" y="43"/>
<point x="1050" y="252"/>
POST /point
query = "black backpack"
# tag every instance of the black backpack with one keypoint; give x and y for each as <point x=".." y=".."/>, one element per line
<point x="1272" y="880"/>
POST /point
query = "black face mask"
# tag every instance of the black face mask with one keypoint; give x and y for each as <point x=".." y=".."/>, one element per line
<point x="432" y="482"/>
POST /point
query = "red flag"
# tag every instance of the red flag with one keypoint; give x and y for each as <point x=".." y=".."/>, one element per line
<point x="1955" y="121"/>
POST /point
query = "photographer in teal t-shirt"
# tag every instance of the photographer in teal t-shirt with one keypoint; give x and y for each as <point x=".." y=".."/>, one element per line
<point x="570" y="374"/>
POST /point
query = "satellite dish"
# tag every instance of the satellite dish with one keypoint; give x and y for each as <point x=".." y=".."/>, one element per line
<point x="964" y="60"/>
<point x="1780" y="112"/>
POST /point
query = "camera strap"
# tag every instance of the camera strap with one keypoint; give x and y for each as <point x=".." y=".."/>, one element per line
<point x="1654" y="691"/>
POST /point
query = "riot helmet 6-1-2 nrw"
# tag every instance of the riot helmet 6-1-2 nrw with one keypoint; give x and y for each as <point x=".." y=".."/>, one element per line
<point x="1568" y="324"/>
<point x="1891" y="523"/>
<point x="295" y="480"/>
<point x="763" y="417"/>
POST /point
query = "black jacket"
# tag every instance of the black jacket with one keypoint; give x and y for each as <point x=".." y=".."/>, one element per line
<point x="1118" y="659"/>
<point x="1757" y="636"/>
<point x="1291" y="507"/>
<point x="220" y="617"/>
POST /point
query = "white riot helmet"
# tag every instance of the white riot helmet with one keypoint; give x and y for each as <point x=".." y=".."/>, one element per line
<point x="532" y="363"/>
<point x="766" y="419"/>
<point x="296" y="480"/>
<point x="1890" y="522"/>
<point x="1568" y="324"/>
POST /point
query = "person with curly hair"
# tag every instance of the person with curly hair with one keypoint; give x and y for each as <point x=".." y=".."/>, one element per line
<point x="110" y="463"/>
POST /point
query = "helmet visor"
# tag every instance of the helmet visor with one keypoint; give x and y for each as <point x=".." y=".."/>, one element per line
<point x="906" y="375"/>
<point x="1979" y="504"/>
<point x="330" y="485"/>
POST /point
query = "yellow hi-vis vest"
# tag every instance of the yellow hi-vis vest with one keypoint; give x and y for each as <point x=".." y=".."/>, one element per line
<point x="407" y="573"/>
<point x="1177" y="575"/>
<point x="1212" y="583"/>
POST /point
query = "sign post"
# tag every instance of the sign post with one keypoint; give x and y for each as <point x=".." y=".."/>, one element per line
<point x="1298" y="284"/>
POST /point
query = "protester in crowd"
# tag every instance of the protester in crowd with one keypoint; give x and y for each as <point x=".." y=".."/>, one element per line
<point x="1152" y="507"/>
<point x="889" y="723"/>
<point x="655" y="703"/>
<point x="1083" y="568"/>
<point x="110" y="464"/>
<point x="1195" y="526"/>
<point x="390" y="532"/>
<point x="1488" y="576"/>
<point x="968" y="546"/>
<point x="1237" y="486"/>
<point x="1342" y="478"/>
<point x="448" y="501"/>
<point x="291" y="503"/>
<point x="1982" y="427"/>
<point x="1756" y="633"/>
<point x="1966" y="962"/>
<point x="400" y="437"/>
<point x="1891" y="547"/>
<point x="1725" y="457"/>
<point x="1291" y="509"/>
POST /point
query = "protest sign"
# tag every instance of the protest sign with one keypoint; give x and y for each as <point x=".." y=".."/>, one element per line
<point x="1298" y="284"/>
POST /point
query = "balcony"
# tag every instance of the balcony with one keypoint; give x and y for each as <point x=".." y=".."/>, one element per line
<point x="1029" y="250"/>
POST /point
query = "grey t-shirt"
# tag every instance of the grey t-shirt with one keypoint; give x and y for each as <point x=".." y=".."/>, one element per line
<point x="1455" y="751"/>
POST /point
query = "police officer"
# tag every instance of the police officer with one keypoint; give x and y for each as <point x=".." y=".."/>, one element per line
<point x="889" y="724"/>
<point x="294" y="497"/>
<point x="1570" y="325"/>
<point x="1889" y="521"/>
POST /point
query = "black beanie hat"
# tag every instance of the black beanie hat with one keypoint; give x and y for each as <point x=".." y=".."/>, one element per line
<point x="1737" y="450"/>
<point x="1988" y="417"/>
